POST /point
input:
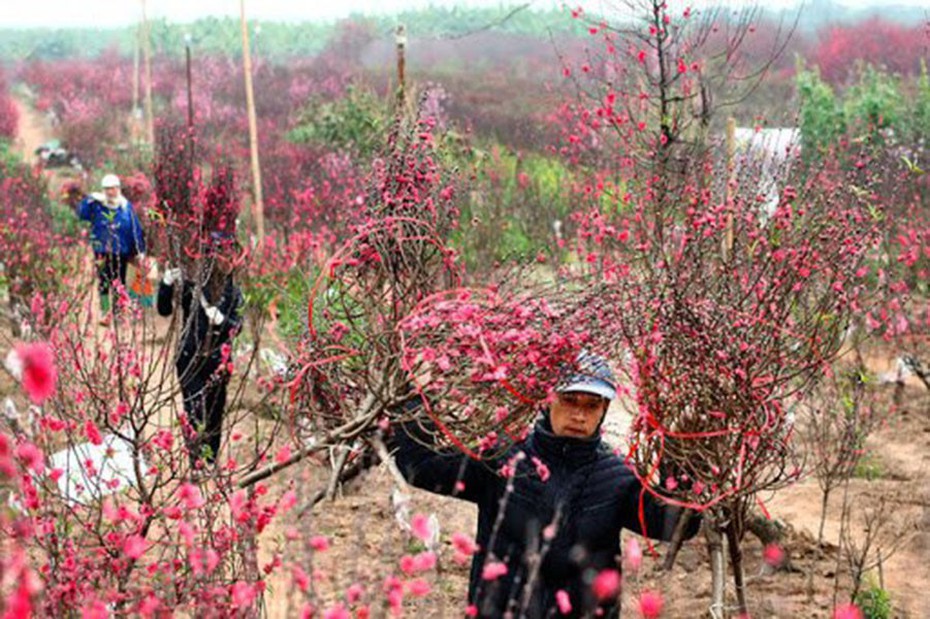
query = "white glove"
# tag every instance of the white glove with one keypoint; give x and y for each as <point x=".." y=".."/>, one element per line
<point x="99" y="197"/>
<point x="171" y="276"/>
<point x="215" y="316"/>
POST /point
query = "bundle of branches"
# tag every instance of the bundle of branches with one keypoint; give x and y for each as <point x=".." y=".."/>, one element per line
<point x="726" y="285"/>
<point x="176" y="180"/>
<point x="349" y="363"/>
<point x="220" y="201"/>
<point x="485" y="361"/>
<point x="726" y="316"/>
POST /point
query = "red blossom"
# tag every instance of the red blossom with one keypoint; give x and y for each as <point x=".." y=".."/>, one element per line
<point x="40" y="375"/>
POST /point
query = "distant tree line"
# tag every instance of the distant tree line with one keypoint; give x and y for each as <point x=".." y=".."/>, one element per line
<point x="221" y="35"/>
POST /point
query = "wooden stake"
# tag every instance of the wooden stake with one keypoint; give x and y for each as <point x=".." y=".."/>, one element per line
<point x="147" y="62"/>
<point x="258" y="208"/>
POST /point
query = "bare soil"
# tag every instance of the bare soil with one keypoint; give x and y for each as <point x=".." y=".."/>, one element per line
<point x="367" y="542"/>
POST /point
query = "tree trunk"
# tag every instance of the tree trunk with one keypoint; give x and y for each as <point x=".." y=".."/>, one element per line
<point x="823" y="517"/>
<point x="677" y="539"/>
<point x="718" y="568"/>
<point x="736" y="562"/>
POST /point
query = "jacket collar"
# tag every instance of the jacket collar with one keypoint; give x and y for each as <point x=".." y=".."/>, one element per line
<point x="570" y="450"/>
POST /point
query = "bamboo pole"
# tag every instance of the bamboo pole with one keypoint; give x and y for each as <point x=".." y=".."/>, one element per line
<point x="400" y="40"/>
<point x="190" y="89"/>
<point x="135" y="72"/>
<point x="731" y="155"/>
<point x="147" y="62"/>
<point x="135" y="113"/>
<point x="258" y="208"/>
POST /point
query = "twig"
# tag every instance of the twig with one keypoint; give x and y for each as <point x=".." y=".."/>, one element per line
<point x="334" y="479"/>
<point x="385" y="456"/>
<point x="346" y="431"/>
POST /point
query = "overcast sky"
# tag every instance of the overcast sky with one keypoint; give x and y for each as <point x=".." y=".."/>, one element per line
<point x="107" y="13"/>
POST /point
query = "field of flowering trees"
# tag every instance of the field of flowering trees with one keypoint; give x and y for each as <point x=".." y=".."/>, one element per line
<point x="458" y="224"/>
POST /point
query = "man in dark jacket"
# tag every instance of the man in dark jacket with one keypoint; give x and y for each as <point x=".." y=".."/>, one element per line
<point x="211" y="319"/>
<point x="550" y="509"/>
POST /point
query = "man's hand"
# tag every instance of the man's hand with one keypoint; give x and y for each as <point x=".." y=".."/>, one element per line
<point x="215" y="316"/>
<point x="171" y="276"/>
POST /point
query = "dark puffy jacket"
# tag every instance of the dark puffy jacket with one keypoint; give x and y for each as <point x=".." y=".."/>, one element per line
<point x="200" y="351"/>
<point x="590" y="495"/>
<point x="113" y="229"/>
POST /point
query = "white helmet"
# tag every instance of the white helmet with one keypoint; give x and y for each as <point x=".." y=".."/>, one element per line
<point x="110" y="180"/>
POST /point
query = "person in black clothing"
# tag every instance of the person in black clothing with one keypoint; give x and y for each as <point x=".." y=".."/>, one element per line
<point x="211" y="319"/>
<point x="550" y="508"/>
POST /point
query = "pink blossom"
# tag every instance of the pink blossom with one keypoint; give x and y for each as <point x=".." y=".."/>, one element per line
<point x="420" y="527"/>
<point x="418" y="588"/>
<point x="149" y="606"/>
<point x="354" y="593"/>
<point x="633" y="554"/>
<point x="773" y="555"/>
<point x="541" y="469"/>
<point x="406" y="565"/>
<point x="650" y="604"/>
<point x="191" y="496"/>
<point x="500" y="413"/>
<point x="288" y="500"/>
<point x="19" y="602"/>
<point x="464" y="544"/>
<point x="300" y="578"/>
<point x="847" y="611"/>
<point x="96" y="609"/>
<point x="134" y="546"/>
<point x="319" y="543"/>
<point x="606" y="585"/>
<point x="211" y="559"/>
<point x="243" y="594"/>
<point x="238" y="506"/>
<point x="336" y="612"/>
<point x="187" y="532"/>
<point x="424" y="561"/>
<point x="92" y="432"/>
<point x="493" y="570"/>
<point x="283" y="455"/>
<point x="40" y="375"/>
<point x="563" y="601"/>
<point x="31" y="457"/>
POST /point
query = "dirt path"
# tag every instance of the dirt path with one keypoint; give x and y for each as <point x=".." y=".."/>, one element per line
<point x="33" y="130"/>
<point x="899" y="460"/>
